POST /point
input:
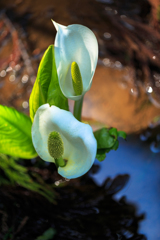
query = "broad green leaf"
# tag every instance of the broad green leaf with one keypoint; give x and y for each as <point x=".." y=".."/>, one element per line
<point x="46" y="87"/>
<point x="122" y="134"/>
<point x="55" y="95"/>
<point x="15" y="134"/>
<point x="104" y="139"/>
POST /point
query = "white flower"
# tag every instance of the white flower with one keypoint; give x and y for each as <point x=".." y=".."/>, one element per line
<point x="79" y="143"/>
<point x="75" y="43"/>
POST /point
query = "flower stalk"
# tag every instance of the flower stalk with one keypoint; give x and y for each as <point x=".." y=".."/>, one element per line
<point x="78" y="109"/>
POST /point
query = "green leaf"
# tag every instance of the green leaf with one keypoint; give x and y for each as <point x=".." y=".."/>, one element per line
<point x="46" y="87"/>
<point x="107" y="141"/>
<point x="116" y="145"/>
<point x="122" y="134"/>
<point x="15" y="134"/>
<point x="113" y="132"/>
<point x="104" y="139"/>
<point x="101" y="154"/>
<point x="101" y="157"/>
<point x="47" y="235"/>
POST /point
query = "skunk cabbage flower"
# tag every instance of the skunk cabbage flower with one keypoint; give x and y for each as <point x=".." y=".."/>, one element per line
<point x="75" y="45"/>
<point x="56" y="133"/>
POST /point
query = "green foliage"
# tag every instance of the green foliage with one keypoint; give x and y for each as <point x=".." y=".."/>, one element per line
<point x="15" y="134"/>
<point x="107" y="140"/>
<point x="46" y="87"/>
<point x="14" y="173"/>
<point x="122" y="134"/>
<point x="47" y="235"/>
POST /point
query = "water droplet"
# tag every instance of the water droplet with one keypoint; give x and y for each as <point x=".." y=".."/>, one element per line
<point x="106" y="62"/>
<point x="144" y="136"/>
<point x="107" y="35"/>
<point x="3" y="73"/>
<point x="108" y="9"/>
<point x="128" y="234"/>
<point x="9" y="69"/>
<point x="154" y="57"/>
<point x="17" y="67"/>
<point x="96" y="210"/>
<point x="123" y="16"/>
<point x="129" y="26"/>
<point x="134" y="92"/>
<point x="25" y="78"/>
<point x="154" y="147"/>
<point x="118" y="64"/>
<point x="25" y="104"/>
<point x="149" y="89"/>
<point x="12" y="78"/>
<point x="57" y="183"/>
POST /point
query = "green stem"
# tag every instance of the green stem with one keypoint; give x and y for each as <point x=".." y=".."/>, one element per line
<point x="60" y="162"/>
<point x="78" y="109"/>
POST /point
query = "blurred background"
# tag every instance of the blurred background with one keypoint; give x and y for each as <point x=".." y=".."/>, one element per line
<point x="126" y="87"/>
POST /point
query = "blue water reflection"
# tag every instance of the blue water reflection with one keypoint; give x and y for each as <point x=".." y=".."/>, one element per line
<point x="135" y="158"/>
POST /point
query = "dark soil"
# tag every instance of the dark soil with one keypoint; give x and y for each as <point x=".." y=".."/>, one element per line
<point x="82" y="211"/>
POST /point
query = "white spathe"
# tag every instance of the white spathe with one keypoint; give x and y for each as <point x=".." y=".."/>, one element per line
<point x="80" y="145"/>
<point x="75" y="43"/>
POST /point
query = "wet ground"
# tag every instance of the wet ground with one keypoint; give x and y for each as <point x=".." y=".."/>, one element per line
<point x="125" y="94"/>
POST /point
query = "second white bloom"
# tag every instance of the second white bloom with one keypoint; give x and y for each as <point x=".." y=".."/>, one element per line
<point x="80" y="145"/>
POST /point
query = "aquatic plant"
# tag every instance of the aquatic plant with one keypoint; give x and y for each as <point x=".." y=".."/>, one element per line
<point x="65" y="71"/>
